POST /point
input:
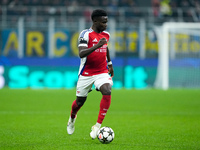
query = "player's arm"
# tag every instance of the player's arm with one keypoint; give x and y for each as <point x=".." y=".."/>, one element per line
<point x="85" y="51"/>
<point x="110" y="66"/>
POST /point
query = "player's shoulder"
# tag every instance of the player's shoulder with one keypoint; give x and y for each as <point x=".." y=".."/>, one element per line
<point x="84" y="32"/>
<point x="106" y="32"/>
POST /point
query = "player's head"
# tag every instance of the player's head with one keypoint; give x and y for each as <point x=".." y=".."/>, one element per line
<point x="100" y="19"/>
<point x="98" y="13"/>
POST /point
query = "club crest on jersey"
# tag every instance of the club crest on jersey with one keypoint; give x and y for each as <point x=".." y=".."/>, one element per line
<point x="95" y="40"/>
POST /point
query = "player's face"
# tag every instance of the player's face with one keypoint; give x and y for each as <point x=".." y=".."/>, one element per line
<point x="102" y="23"/>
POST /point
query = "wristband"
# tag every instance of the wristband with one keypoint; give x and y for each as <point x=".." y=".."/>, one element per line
<point x="110" y="63"/>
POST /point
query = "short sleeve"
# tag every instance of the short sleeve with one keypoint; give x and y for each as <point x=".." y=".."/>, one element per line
<point x="83" y="38"/>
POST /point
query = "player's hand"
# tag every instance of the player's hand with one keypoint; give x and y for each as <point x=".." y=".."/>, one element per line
<point x="102" y="42"/>
<point x="111" y="70"/>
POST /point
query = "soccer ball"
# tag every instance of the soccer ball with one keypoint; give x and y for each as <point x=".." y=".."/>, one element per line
<point x="105" y="135"/>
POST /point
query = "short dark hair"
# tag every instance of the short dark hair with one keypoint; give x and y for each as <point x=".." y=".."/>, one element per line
<point x="98" y="13"/>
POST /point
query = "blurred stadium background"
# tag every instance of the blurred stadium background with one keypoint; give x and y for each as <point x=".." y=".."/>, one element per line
<point x="38" y="41"/>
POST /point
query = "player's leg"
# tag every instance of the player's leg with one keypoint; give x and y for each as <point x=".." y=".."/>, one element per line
<point x="105" y="89"/>
<point x="104" y="84"/>
<point x="76" y="105"/>
<point x="84" y="85"/>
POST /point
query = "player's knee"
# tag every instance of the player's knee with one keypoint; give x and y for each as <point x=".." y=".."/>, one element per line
<point x="107" y="92"/>
<point x="80" y="101"/>
<point x="106" y="89"/>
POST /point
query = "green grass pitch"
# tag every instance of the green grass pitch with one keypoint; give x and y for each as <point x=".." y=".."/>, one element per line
<point x="141" y="119"/>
